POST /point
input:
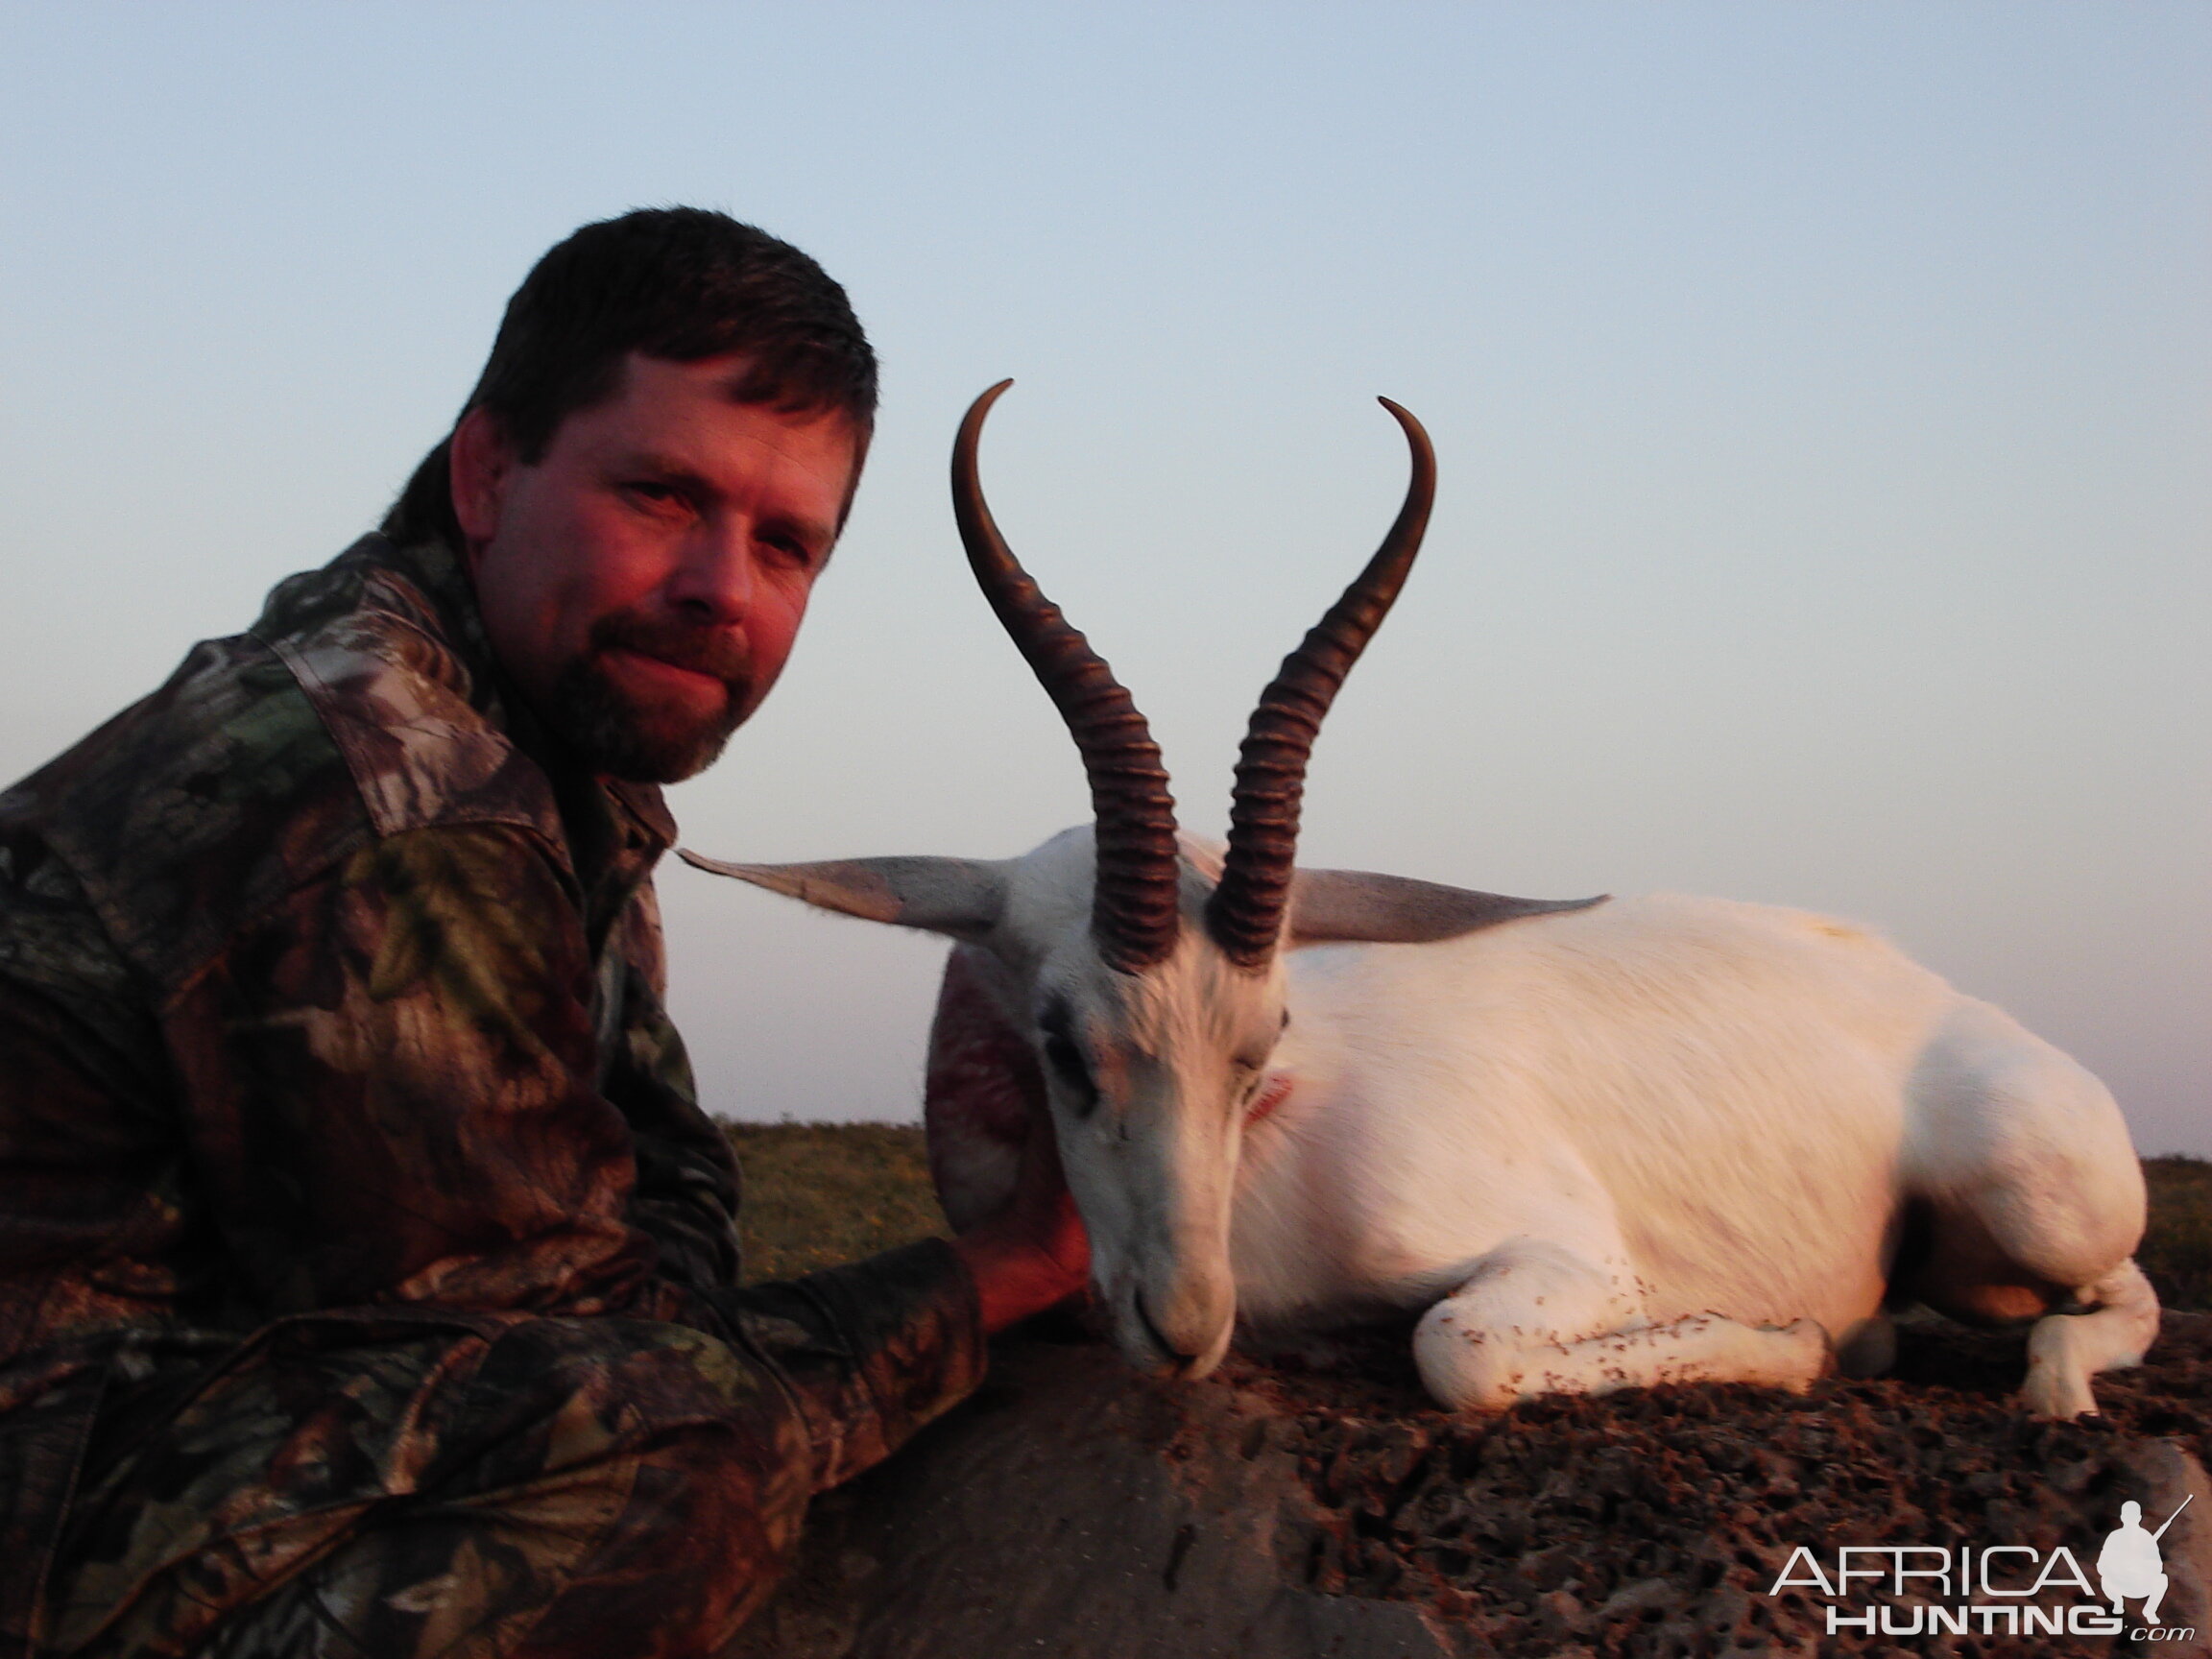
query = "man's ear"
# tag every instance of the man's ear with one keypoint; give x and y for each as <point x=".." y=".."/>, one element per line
<point x="479" y="459"/>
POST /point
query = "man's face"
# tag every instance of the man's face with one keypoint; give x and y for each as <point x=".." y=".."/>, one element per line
<point x="643" y="580"/>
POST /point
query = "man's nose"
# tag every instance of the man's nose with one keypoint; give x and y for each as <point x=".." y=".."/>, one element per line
<point x="714" y="578"/>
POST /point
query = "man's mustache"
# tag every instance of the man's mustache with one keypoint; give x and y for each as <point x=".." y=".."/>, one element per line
<point x="704" y="650"/>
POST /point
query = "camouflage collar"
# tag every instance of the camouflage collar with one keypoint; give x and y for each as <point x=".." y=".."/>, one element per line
<point x="439" y="571"/>
<point x="345" y="631"/>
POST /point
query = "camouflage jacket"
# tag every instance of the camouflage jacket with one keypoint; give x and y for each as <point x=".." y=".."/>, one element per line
<point x="325" y="985"/>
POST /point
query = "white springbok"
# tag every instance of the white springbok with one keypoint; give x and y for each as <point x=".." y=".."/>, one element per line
<point x="1601" y="1143"/>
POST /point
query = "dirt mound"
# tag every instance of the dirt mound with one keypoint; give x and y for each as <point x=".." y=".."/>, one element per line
<point x="1322" y="1505"/>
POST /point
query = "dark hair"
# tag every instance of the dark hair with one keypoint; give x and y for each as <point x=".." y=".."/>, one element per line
<point x="677" y="284"/>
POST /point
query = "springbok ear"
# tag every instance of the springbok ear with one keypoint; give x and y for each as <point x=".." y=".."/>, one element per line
<point x="1348" y="906"/>
<point x="960" y="897"/>
<point x="981" y="1093"/>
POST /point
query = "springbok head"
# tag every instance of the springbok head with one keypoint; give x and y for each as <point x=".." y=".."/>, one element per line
<point x="1133" y="976"/>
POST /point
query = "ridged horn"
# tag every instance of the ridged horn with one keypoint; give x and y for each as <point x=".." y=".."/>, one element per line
<point x="1244" y="915"/>
<point x="1133" y="908"/>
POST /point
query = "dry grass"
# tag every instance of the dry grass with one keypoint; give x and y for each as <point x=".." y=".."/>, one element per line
<point x="820" y="1194"/>
<point x="2177" y="1250"/>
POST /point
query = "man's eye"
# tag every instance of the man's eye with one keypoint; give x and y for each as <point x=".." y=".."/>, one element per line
<point x="655" y="494"/>
<point x="795" y="551"/>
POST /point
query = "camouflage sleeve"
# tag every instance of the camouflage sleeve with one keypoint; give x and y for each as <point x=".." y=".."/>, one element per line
<point x="397" y="1098"/>
<point x="867" y="1354"/>
<point x="393" y="1092"/>
<point x="687" y="1189"/>
<point x="864" y="1353"/>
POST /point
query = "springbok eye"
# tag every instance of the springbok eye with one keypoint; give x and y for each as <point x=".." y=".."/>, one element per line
<point x="1067" y="1059"/>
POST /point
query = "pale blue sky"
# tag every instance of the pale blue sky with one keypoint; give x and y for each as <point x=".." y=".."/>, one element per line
<point x="1820" y="393"/>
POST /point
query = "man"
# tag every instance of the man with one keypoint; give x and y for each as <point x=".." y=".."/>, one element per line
<point x="2129" y="1563"/>
<point x="366" y="1265"/>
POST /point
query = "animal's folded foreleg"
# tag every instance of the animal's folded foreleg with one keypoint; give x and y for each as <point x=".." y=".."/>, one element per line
<point x="2065" y="1350"/>
<point x="1540" y="1318"/>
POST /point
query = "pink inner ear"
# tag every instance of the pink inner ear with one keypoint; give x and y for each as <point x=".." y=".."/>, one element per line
<point x="981" y="1086"/>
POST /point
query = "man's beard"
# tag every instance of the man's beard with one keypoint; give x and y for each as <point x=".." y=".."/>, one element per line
<point x="617" y="737"/>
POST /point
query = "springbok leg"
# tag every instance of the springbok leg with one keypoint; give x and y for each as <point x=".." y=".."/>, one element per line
<point x="1538" y="1317"/>
<point x="2065" y="1350"/>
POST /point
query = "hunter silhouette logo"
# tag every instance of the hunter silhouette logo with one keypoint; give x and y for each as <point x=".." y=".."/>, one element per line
<point x="1993" y="1589"/>
<point x="2129" y="1563"/>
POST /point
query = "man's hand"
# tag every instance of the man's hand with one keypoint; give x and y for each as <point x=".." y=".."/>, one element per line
<point x="1034" y="1254"/>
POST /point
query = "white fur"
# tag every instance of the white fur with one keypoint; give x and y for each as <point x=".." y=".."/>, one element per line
<point x="1700" y="1108"/>
<point x="1663" y="1138"/>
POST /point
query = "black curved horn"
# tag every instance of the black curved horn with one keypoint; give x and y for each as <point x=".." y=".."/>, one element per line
<point x="1132" y="909"/>
<point x="1245" y="913"/>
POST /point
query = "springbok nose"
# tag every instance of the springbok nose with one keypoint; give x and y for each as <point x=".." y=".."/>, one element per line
<point x="1183" y="1361"/>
